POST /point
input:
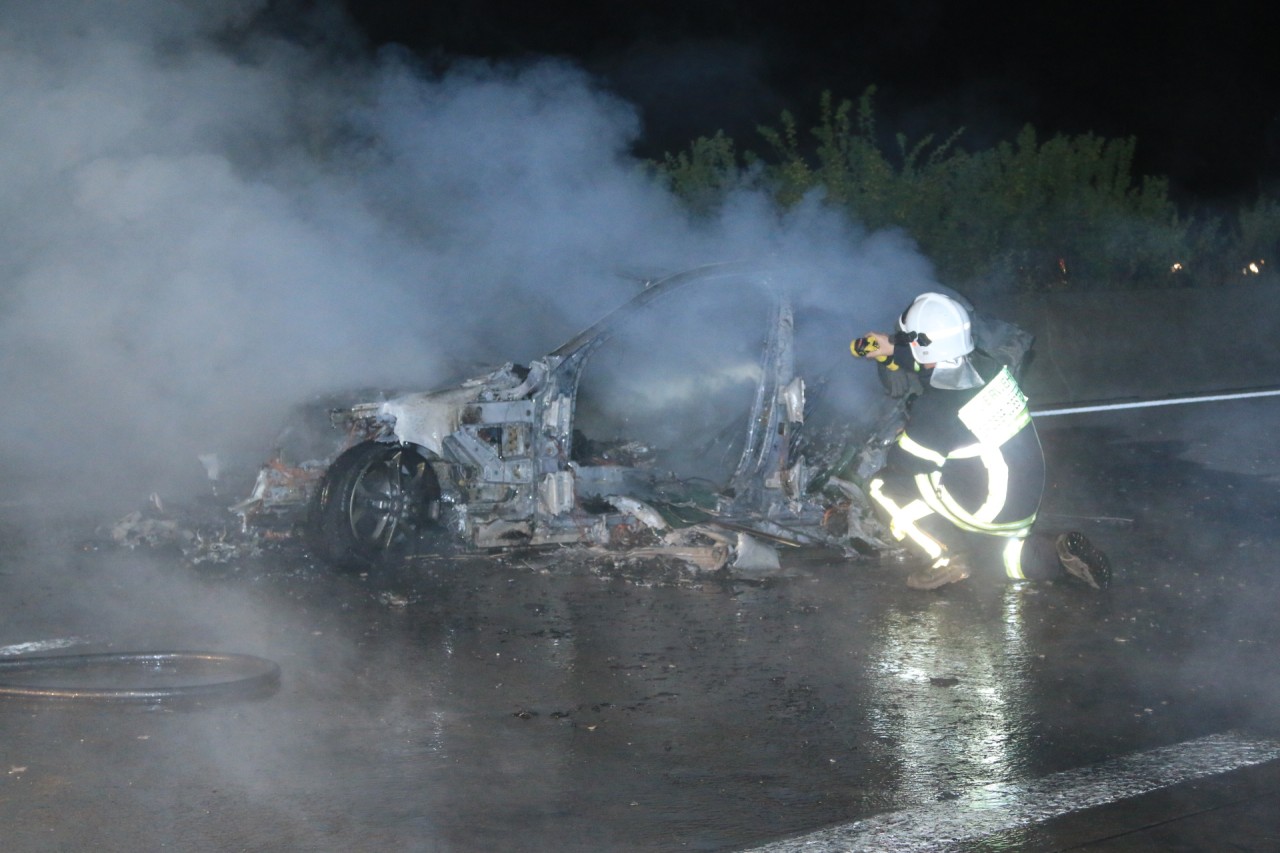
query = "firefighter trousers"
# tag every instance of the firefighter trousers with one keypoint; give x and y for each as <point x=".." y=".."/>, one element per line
<point x="1020" y="551"/>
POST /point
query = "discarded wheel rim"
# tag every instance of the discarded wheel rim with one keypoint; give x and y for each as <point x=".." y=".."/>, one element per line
<point x="142" y="677"/>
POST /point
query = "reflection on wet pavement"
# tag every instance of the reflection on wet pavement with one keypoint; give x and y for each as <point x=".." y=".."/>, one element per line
<point x="544" y="702"/>
<point x="962" y="717"/>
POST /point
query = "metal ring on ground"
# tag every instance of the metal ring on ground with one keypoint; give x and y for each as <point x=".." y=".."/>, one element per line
<point x="248" y="675"/>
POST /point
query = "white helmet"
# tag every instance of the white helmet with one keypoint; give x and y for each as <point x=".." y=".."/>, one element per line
<point x="940" y="328"/>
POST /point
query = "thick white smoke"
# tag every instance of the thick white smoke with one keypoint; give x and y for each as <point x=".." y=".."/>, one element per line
<point x="203" y="224"/>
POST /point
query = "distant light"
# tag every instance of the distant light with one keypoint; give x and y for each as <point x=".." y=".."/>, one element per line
<point x="1254" y="268"/>
<point x="1176" y="268"/>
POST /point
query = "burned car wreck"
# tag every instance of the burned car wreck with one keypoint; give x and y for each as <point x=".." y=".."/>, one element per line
<point x="497" y="462"/>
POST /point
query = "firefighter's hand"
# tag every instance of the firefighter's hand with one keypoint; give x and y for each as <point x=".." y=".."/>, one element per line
<point x="872" y="345"/>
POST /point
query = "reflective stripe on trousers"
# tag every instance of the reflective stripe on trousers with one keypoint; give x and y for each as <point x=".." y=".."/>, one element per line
<point x="1012" y="556"/>
<point x="903" y="518"/>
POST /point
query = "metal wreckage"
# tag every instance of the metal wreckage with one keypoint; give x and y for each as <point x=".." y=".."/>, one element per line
<point x="495" y="463"/>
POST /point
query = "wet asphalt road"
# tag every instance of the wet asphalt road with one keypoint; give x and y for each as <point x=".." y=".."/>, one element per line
<point x="544" y="702"/>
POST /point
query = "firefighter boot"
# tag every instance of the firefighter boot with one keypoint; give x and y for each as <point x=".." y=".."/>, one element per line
<point x="946" y="570"/>
<point x="1081" y="559"/>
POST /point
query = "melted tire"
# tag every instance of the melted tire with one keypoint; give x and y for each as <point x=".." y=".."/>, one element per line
<point x="376" y="499"/>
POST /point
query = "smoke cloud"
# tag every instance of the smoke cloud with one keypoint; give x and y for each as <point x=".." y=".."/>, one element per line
<point x="205" y="222"/>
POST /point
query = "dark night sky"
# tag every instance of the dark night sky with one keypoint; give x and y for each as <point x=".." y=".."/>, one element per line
<point x="1194" y="82"/>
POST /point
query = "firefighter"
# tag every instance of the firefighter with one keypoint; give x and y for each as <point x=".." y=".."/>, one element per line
<point x="963" y="482"/>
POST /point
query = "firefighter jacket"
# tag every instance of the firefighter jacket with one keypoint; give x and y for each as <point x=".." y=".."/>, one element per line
<point x="974" y="455"/>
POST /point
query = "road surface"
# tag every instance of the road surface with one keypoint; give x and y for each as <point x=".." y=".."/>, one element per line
<point x="552" y="703"/>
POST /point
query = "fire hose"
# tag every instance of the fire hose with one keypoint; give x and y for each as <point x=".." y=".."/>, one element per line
<point x="1115" y="405"/>
<point x="1112" y="405"/>
<point x="160" y="676"/>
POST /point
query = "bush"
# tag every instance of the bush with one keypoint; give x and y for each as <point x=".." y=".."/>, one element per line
<point x="702" y="175"/>
<point x="1257" y="237"/>
<point x="1027" y="214"/>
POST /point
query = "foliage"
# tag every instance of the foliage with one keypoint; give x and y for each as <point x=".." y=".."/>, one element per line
<point x="702" y="175"/>
<point x="1257" y="236"/>
<point x="1026" y="214"/>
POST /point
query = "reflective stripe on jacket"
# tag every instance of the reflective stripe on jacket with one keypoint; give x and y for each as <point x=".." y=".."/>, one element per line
<point x="974" y="455"/>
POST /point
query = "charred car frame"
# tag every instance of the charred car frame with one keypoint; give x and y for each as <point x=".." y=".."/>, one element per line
<point x="495" y="462"/>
